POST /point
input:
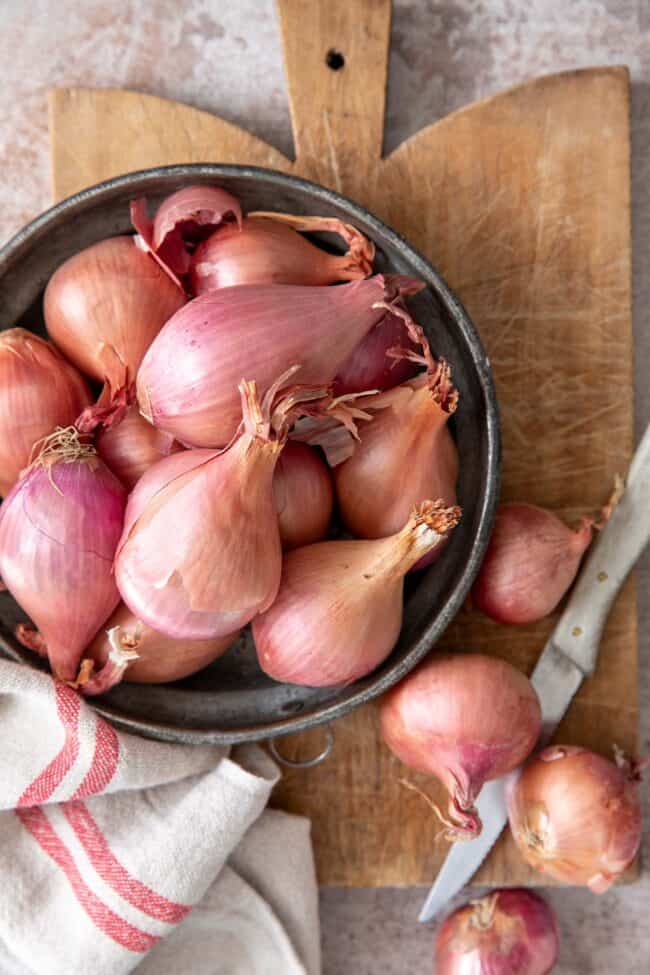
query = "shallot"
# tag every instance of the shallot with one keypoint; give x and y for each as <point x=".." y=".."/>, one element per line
<point x="303" y="495"/>
<point x="157" y="658"/>
<point x="338" y="613"/>
<point x="105" y="305"/>
<point x="39" y="391"/>
<point x="405" y="452"/>
<point x="507" y="932"/>
<point x="59" y="528"/>
<point x="187" y="383"/>
<point x="219" y="565"/>
<point x="576" y="816"/>
<point x="183" y="220"/>
<point x="465" y="718"/>
<point x="531" y="561"/>
<point x="268" y="249"/>
<point x="130" y="446"/>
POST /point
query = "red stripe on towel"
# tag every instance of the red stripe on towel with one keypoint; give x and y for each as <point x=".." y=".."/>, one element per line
<point x="113" y="873"/>
<point x="123" y="933"/>
<point x="104" y="764"/>
<point x="45" y="783"/>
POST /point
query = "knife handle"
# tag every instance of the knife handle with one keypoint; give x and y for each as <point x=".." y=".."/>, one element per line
<point x="607" y="565"/>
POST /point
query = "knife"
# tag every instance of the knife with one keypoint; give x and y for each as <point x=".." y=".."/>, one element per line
<point x="569" y="656"/>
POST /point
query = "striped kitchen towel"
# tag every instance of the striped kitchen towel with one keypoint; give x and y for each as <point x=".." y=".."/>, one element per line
<point x="119" y="853"/>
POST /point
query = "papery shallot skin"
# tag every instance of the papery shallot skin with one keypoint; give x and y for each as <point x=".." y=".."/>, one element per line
<point x="59" y="528"/>
<point x="575" y="816"/>
<point x="104" y="306"/>
<point x="507" y="932"/>
<point x="39" y="390"/>
<point x="182" y="220"/>
<point x="192" y="562"/>
<point x="465" y="718"/>
<point x="187" y="384"/>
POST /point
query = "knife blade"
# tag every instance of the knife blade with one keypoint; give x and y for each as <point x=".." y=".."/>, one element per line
<point x="570" y="655"/>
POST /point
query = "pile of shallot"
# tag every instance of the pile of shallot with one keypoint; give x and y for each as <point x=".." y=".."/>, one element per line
<point x="218" y="395"/>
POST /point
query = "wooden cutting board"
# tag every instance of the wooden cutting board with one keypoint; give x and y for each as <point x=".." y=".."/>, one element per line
<point x="523" y="202"/>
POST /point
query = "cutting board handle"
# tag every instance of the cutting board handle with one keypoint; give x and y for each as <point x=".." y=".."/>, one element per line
<point x="336" y="61"/>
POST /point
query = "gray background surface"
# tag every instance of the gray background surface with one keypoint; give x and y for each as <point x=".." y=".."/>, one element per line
<point x="224" y="56"/>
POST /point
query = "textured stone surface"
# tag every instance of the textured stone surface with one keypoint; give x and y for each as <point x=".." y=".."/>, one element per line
<point x="225" y="57"/>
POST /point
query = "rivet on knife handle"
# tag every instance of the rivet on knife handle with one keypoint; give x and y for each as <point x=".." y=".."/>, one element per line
<point x="614" y="552"/>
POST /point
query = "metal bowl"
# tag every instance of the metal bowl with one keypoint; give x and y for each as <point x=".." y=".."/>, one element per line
<point x="232" y="700"/>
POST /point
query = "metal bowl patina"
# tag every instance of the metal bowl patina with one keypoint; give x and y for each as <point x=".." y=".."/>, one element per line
<point x="232" y="700"/>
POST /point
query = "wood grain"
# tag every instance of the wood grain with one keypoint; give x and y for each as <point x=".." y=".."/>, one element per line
<point x="97" y="133"/>
<point x="522" y="201"/>
<point x="337" y="115"/>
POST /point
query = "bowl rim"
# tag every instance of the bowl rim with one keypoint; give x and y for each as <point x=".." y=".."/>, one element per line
<point x="373" y="687"/>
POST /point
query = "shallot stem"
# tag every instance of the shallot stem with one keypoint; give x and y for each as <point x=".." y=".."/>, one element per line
<point x="607" y="510"/>
<point x="119" y="658"/>
<point x="361" y="250"/>
<point x="484" y="910"/>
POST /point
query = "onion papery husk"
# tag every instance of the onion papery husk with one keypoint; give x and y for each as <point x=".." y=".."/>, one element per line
<point x="39" y="391"/>
<point x="221" y="564"/>
<point x="338" y="612"/>
<point x="59" y="528"/>
<point x="182" y="221"/>
<point x="268" y="248"/>
<point x="187" y="384"/>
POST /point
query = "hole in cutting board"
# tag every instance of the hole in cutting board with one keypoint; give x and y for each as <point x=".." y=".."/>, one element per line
<point x="334" y="59"/>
